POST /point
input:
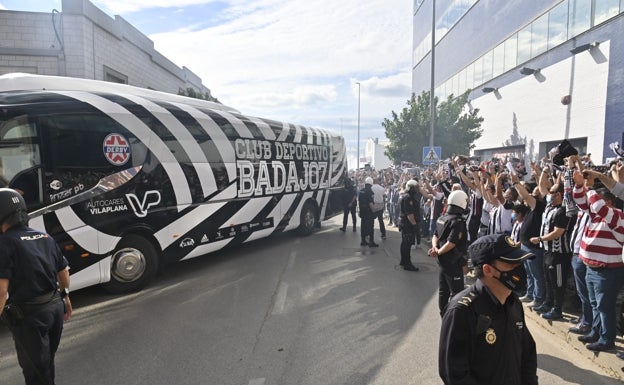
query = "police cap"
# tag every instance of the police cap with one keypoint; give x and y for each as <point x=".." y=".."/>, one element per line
<point x="497" y="246"/>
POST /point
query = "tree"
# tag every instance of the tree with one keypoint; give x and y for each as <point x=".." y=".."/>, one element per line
<point x="455" y="128"/>
<point x="191" y="93"/>
<point x="515" y="138"/>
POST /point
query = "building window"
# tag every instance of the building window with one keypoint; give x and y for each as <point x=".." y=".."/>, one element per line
<point x="498" y="65"/>
<point x="580" y="16"/>
<point x="558" y="25"/>
<point x="605" y="10"/>
<point x="110" y="75"/>
<point x="539" y="35"/>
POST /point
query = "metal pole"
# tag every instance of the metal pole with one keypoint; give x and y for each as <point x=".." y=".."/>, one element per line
<point x="358" y="139"/>
<point x="432" y="91"/>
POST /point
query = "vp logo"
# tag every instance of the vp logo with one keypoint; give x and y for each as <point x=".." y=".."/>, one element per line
<point x="140" y="208"/>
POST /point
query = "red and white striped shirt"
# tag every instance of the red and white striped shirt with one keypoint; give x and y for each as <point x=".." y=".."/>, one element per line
<point x="601" y="245"/>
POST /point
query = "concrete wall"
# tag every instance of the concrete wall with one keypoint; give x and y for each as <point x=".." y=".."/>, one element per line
<point x="92" y="43"/>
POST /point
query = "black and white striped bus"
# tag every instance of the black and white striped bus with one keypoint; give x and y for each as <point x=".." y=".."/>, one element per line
<point x="128" y="179"/>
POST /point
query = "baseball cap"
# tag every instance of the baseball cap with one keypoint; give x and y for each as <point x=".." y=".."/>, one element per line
<point x="368" y="180"/>
<point x="497" y="246"/>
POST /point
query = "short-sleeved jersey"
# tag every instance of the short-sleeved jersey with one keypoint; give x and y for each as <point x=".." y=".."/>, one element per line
<point x="555" y="216"/>
<point x="485" y="342"/>
<point x="30" y="260"/>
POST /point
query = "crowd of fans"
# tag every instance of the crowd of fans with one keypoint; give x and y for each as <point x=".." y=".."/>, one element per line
<point x="565" y="211"/>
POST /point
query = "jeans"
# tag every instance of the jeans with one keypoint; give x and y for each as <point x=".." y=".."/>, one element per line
<point x="379" y="216"/>
<point x="432" y="226"/>
<point x="580" y="270"/>
<point x="536" y="280"/>
<point x="394" y="213"/>
<point x="603" y="286"/>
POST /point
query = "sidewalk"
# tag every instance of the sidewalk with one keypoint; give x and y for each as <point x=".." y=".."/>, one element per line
<point x="608" y="361"/>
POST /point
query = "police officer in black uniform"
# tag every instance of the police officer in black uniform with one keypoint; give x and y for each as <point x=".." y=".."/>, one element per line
<point x="366" y="202"/>
<point x="409" y="215"/>
<point x="484" y="338"/>
<point x="35" y="275"/>
<point x="448" y="245"/>
<point x="349" y="204"/>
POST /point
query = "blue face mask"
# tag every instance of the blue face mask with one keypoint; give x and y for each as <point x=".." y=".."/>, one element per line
<point x="514" y="216"/>
<point x="549" y="199"/>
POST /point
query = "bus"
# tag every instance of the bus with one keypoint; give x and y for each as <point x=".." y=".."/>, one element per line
<point x="128" y="180"/>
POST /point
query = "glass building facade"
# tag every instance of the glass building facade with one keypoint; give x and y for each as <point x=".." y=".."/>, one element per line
<point x="519" y="59"/>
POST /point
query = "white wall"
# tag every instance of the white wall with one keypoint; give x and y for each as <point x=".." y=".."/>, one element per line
<point x="536" y="101"/>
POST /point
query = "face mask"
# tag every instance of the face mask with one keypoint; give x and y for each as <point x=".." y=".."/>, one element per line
<point x="548" y="199"/>
<point x="514" y="216"/>
<point x="514" y="279"/>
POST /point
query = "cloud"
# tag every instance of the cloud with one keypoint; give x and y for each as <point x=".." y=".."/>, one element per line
<point x="298" y="41"/>
<point x="296" y="61"/>
<point x="120" y="7"/>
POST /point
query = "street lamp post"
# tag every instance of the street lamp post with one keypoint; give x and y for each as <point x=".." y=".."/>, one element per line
<point x="432" y="89"/>
<point x="358" y="138"/>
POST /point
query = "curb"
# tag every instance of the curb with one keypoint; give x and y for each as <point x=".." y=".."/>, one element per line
<point x="607" y="361"/>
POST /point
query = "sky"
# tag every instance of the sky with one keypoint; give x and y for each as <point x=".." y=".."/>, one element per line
<point x="297" y="61"/>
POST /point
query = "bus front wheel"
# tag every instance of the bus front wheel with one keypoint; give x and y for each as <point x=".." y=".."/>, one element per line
<point x="133" y="265"/>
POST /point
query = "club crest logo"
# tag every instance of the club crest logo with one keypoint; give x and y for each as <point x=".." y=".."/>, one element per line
<point x="116" y="149"/>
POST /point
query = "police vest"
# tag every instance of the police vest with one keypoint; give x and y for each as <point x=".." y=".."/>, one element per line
<point x="444" y="225"/>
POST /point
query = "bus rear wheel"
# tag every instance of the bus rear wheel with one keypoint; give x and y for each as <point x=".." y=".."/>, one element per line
<point x="307" y="220"/>
<point x="133" y="265"/>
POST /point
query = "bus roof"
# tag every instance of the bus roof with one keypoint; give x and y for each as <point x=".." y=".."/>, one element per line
<point x="29" y="82"/>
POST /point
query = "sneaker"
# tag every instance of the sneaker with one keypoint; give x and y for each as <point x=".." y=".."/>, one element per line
<point x="600" y="347"/>
<point x="552" y="314"/>
<point x="580" y="328"/>
<point x="342" y="229"/>
<point x="534" y="304"/>
<point x="588" y="338"/>
<point x="383" y="236"/>
<point x="363" y="243"/>
<point x="373" y="244"/>
<point x="542" y="309"/>
<point x="410" y="268"/>
<point x="526" y="298"/>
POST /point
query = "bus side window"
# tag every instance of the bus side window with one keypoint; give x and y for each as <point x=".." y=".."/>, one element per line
<point x="20" y="159"/>
<point x="71" y="172"/>
<point x="27" y="182"/>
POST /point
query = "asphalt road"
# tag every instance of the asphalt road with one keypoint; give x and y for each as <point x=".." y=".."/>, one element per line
<point x="317" y="310"/>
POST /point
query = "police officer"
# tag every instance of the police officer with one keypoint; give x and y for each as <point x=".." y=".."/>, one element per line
<point x="483" y="338"/>
<point x="35" y="275"/>
<point x="349" y="204"/>
<point x="366" y="202"/>
<point x="448" y="245"/>
<point x="409" y="215"/>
